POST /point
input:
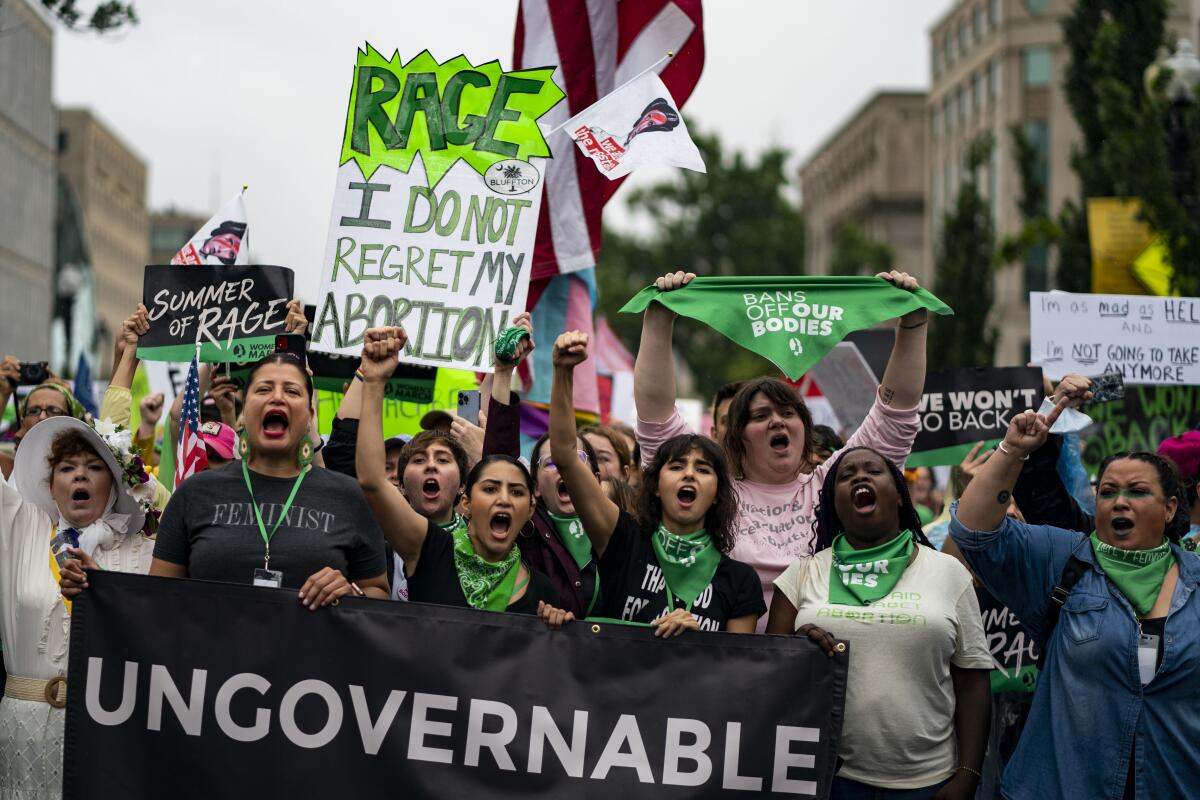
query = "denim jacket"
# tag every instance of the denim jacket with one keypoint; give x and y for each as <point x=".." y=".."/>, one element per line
<point x="1090" y="711"/>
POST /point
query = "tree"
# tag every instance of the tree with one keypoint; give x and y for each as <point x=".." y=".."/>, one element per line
<point x="856" y="253"/>
<point x="965" y="265"/>
<point x="1110" y="43"/>
<point x="735" y="219"/>
<point x="108" y="15"/>
<point x="1038" y="231"/>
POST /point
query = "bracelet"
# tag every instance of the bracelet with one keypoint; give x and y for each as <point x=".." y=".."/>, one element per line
<point x="1008" y="452"/>
<point x="911" y="327"/>
<point x="974" y="772"/>
<point x="358" y="376"/>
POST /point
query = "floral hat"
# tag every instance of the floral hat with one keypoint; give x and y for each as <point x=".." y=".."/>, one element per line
<point x="113" y="443"/>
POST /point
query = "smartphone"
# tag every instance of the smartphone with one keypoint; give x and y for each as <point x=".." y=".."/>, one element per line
<point x="1106" y="387"/>
<point x="468" y="406"/>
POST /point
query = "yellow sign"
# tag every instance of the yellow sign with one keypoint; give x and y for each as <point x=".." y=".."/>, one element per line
<point x="402" y="416"/>
<point x="1117" y="237"/>
<point x="1153" y="269"/>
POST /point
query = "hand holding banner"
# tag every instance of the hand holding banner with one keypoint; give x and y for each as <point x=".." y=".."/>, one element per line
<point x="790" y="321"/>
<point x="233" y="312"/>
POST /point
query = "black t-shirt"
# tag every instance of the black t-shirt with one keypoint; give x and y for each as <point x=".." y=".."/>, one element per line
<point x="209" y="526"/>
<point x="634" y="589"/>
<point x="435" y="580"/>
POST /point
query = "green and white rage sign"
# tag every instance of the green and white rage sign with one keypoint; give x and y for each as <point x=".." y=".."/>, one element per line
<point x="436" y="207"/>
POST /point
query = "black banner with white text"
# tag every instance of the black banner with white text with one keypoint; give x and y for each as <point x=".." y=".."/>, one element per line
<point x="199" y="689"/>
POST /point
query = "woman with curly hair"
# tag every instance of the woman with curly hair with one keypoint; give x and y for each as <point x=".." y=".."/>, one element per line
<point x="670" y="567"/>
<point x="904" y="609"/>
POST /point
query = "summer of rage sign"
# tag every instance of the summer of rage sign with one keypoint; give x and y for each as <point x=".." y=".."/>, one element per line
<point x="446" y="253"/>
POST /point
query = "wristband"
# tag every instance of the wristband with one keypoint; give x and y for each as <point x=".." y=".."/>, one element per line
<point x="911" y="327"/>
<point x="1008" y="452"/>
<point x="358" y="376"/>
<point x="974" y="772"/>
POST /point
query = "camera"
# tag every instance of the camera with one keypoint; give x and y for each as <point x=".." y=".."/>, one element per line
<point x="33" y="373"/>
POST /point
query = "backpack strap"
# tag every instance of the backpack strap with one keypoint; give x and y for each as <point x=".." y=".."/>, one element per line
<point x="1072" y="572"/>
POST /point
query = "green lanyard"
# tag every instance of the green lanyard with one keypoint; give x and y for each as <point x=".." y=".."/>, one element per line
<point x="262" y="529"/>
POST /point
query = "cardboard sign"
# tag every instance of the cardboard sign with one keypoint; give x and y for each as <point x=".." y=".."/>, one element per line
<point x="233" y="312"/>
<point x="1139" y="421"/>
<point x="434" y="213"/>
<point x="845" y="377"/>
<point x="965" y="406"/>
<point x="1153" y="340"/>
<point x="1117" y="235"/>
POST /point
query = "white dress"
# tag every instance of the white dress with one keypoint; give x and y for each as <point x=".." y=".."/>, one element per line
<point x="35" y="628"/>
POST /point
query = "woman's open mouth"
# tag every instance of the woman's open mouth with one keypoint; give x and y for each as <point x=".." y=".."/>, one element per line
<point x="686" y="496"/>
<point x="1122" y="524"/>
<point x="430" y="489"/>
<point x="275" y="424"/>
<point x="563" y="495"/>
<point x="779" y="442"/>
<point x="499" y="525"/>
<point x="81" y="496"/>
<point x="863" y="498"/>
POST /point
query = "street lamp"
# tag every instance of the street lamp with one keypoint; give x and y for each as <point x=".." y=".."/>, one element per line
<point x="1181" y="95"/>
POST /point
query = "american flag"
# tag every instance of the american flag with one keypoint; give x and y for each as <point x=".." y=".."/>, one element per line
<point x="599" y="45"/>
<point x="192" y="456"/>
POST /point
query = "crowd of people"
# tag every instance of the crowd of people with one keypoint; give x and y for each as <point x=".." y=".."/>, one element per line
<point x="767" y="525"/>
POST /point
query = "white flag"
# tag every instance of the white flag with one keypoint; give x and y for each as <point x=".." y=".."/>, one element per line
<point x="222" y="240"/>
<point x="635" y="125"/>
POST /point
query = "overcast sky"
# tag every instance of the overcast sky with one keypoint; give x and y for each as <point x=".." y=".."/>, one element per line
<point x="218" y="94"/>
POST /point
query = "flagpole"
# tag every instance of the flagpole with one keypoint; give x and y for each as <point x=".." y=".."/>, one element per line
<point x="650" y="68"/>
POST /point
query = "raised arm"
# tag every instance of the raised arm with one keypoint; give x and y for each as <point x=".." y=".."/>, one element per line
<point x="904" y="377"/>
<point x="654" y="370"/>
<point x="598" y="513"/>
<point x="403" y="527"/>
<point x="134" y="326"/>
<point x="986" y="498"/>
<point x="501" y="379"/>
<point x="502" y="433"/>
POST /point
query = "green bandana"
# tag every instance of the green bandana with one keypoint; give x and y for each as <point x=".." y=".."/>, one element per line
<point x="507" y="343"/>
<point x="688" y="563"/>
<point x="791" y="321"/>
<point x="860" y="577"/>
<point x="456" y="521"/>
<point x="487" y="586"/>
<point x="1138" y="574"/>
<point x="574" y="538"/>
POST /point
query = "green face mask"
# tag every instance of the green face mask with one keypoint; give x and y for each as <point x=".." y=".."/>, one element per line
<point x="860" y="577"/>
<point x="1138" y="574"/>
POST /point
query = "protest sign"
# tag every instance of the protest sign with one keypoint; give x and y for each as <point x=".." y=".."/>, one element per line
<point x="1152" y="340"/>
<point x="790" y="321"/>
<point x="963" y="406"/>
<point x="1117" y="236"/>
<point x="234" y="313"/>
<point x="403" y="416"/>
<point x="224" y="239"/>
<point x="1139" y="421"/>
<point x="1014" y="651"/>
<point x="434" y="213"/>
<point x="844" y="376"/>
<point x="367" y="694"/>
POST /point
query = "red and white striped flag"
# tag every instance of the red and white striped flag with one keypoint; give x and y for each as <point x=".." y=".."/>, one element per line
<point x="192" y="456"/>
<point x="598" y="45"/>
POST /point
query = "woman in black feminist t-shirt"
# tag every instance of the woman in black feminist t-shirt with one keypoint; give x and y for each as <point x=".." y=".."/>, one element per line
<point x="672" y="570"/>
<point x="478" y="564"/>
<point x="271" y="518"/>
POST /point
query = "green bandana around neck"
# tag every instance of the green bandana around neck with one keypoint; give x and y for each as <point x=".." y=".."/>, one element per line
<point x="1138" y="574"/>
<point x="860" y="577"/>
<point x="456" y="521"/>
<point x="688" y="563"/>
<point x="574" y="538"/>
<point x="487" y="586"/>
<point x="792" y="321"/>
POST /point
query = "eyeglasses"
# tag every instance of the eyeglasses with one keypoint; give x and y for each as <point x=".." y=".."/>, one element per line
<point x="48" y="411"/>
<point x="545" y="462"/>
